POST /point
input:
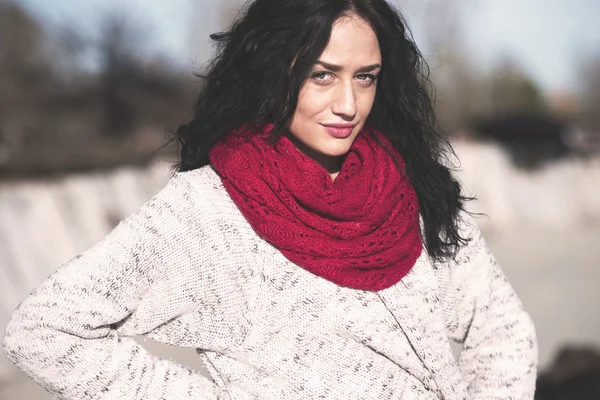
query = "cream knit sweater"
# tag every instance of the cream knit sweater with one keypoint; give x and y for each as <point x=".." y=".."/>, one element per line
<point x="188" y="270"/>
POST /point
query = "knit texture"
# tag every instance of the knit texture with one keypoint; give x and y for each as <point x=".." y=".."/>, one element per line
<point x="188" y="270"/>
<point x="359" y="231"/>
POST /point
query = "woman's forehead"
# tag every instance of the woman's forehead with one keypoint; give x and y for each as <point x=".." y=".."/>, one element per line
<point x="352" y="42"/>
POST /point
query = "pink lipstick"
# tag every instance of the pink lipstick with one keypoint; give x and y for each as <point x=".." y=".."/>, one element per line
<point x="340" y="131"/>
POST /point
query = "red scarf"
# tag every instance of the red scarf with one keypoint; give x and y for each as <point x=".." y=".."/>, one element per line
<point x="359" y="231"/>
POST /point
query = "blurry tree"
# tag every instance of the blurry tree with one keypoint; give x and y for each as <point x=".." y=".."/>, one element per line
<point x="71" y="48"/>
<point x="512" y="90"/>
<point x="458" y="90"/>
<point x="464" y="93"/>
<point x="59" y="114"/>
<point x="589" y="93"/>
<point x="21" y="45"/>
<point x="136" y="89"/>
<point x="118" y="51"/>
<point x="24" y="75"/>
<point x="456" y="82"/>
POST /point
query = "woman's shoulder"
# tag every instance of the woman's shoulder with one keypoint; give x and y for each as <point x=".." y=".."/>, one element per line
<point x="191" y="203"/>
<point x="204" y="176"/>
<point x="204" y="203"/>
<point x="199" y="191"/>
<point x="461" y="271"/>
<point x="202" y="181"/>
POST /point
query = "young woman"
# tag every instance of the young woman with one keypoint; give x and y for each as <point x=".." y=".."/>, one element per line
<point x="311" y="246"/>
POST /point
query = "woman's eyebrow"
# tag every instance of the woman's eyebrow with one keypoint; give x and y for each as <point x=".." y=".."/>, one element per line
<point x="337" y="68"/>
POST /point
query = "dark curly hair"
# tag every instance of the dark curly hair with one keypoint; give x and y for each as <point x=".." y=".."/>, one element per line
<point x="263" y="60"/>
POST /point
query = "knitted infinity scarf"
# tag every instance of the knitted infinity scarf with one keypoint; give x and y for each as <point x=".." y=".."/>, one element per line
<point x="359" y="231"/>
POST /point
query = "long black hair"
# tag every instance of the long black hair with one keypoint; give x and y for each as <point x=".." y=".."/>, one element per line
<point x="263" y="60"/>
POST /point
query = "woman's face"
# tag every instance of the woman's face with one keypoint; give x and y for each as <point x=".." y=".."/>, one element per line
<point x="336" y="99"/>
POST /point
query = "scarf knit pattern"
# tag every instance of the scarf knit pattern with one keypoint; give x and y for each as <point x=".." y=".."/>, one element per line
<point x="360" y="230"/>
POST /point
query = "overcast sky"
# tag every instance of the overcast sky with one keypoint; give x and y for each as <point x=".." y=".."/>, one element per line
<point x="547" y="37"/>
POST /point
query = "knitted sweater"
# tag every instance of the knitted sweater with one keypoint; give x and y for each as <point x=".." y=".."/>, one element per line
<point x="188" y="270"/>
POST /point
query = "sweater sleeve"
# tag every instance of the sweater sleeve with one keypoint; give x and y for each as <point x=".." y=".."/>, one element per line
<point x="499" y="355"/>
<point x="66" y="335"/>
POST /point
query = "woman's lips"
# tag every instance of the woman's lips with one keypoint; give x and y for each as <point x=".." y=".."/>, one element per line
<point x="339" y="131"/>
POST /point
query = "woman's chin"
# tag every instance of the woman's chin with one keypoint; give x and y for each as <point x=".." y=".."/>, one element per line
<point x="339" y="149"/>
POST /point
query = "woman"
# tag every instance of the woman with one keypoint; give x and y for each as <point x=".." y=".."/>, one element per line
<point x="312" y="244"/>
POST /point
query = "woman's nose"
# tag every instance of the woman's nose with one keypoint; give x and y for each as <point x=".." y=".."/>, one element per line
<point x="344" y="103"/>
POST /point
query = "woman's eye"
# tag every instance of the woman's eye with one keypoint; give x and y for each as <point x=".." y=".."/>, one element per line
<point x="367" y="79"/>
<point x="322" y="77"/>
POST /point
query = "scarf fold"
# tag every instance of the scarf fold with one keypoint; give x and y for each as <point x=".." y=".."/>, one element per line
<point x="360" y="230"/>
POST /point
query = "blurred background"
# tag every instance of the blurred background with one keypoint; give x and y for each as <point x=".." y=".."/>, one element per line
<point x="89" y="91"/>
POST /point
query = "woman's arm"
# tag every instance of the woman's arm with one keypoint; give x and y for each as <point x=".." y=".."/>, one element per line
<point x="66" y="335"/>
<point x="499" y="355"/>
